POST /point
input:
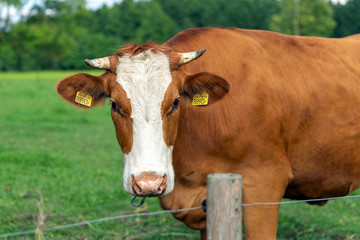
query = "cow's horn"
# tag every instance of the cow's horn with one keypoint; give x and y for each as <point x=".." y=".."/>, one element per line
<point x="100" y="63"/>
<point x="190" y="56"/>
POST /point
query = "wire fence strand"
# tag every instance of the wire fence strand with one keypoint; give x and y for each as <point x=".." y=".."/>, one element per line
<point x="97" y="221"/>
<point x="299" y="201"/>
<point x="162" y="212"/>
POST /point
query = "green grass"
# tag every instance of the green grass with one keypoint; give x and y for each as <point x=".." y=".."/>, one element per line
<point x="71" y="157"/>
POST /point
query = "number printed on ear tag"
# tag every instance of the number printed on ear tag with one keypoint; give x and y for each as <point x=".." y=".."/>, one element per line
<point x="83" y="99"/>
<point x="200" y="99"/>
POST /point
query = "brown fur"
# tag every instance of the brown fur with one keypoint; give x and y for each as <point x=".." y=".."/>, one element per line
<point x="289" y="123"/>
<point x="285" y="115"/>
<point x="95" y="86"/>
<point x="134" y="49"/>
<point x="207" y="82"/>
<point x="122" y="122"/>
<point x="170" y="119"/>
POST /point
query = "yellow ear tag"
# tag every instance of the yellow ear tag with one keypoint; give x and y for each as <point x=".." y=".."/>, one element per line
<point x="200" y="99"/>
<point x="83" y="99"/>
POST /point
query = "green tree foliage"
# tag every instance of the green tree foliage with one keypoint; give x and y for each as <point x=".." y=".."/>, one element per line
<point x="304" y="17"/>
<point x="253" y="14"/>
<point x="60" y="34"/>
<point x="7" y="52"/>
<point x="133" y="21"/>
<point x="90" y="45"/>
<point x="45" y="39"/>
<point x="155" y="24"/>
<point x="347" y="17"/>
<point x="119" y="21"/>
<point x="5" y="8"/>
<point x="35" y="44"/>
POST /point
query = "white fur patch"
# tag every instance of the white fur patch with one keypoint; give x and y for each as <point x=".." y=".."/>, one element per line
<point x="145" y="78"/>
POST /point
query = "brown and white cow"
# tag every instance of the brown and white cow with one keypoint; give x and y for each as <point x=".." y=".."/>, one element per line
<point x="283" y="111"/>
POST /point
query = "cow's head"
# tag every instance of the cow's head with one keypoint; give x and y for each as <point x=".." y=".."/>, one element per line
<point x="145" y="85"/>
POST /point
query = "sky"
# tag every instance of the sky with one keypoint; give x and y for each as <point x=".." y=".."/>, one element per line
<point x="94" y="4"/>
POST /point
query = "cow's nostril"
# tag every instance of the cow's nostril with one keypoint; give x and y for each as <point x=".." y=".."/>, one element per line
<point x="135" y="186"/>
<point x="163" y="185"/>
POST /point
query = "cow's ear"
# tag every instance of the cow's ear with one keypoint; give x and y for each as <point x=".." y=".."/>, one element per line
<point x="216" y="87"/>
<point x="83" y="90"/>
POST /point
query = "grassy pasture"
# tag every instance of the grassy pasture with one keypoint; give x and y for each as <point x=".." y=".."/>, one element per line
<point x="71" y="158"/>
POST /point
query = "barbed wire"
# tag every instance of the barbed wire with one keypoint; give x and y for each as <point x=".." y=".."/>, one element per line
<point x="162" y="212"/>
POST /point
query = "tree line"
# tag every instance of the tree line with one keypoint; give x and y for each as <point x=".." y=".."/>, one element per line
<point x="59" y="34"/>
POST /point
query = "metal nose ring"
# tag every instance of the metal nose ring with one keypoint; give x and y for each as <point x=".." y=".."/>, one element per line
<point x="137" y="205"/>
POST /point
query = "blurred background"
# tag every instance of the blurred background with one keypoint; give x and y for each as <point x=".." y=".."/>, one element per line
<point x="61" y="165"/>
<point x="54" y="34"/>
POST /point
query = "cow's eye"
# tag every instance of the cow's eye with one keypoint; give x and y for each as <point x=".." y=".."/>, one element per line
<point x="115" y="107"/>
<point x="175" y="104"/>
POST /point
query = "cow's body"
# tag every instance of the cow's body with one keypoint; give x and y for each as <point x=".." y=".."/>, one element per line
<point x="290" y="123"/>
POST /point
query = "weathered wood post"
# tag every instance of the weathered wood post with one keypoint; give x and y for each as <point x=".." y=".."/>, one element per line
<point x="223" y="213"/>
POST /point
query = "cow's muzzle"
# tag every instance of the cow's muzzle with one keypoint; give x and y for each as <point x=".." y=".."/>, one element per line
<point x="148" y="185"/>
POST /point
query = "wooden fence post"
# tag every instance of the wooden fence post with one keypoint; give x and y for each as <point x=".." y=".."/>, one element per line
<point x="223" y="213"/>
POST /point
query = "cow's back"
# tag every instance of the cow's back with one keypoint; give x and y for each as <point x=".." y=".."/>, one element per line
<point x="292" y="96"/>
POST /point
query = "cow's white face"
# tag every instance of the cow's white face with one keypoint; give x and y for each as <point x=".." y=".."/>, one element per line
<point x="144" y="85"/>
<point x="145" y="79"/>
